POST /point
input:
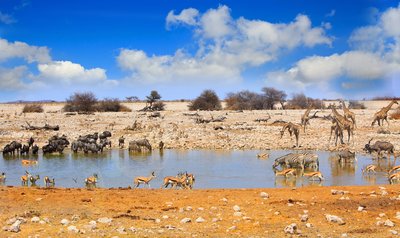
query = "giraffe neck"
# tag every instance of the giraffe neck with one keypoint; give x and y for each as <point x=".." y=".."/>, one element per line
<point x="387" y="108"/>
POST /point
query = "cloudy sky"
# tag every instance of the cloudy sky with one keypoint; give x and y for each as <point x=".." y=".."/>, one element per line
<point x="326" y="49"/>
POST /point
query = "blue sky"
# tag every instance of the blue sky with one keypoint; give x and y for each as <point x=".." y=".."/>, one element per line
<point x="325" y="49"/>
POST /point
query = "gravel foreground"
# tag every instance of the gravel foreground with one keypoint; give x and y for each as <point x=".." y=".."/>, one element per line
<point x="355" y="211"/>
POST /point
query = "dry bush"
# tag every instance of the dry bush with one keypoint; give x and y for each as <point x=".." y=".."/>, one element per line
<point x="301" y="101"/>
<point x="208" y="101"/>
<point x="158" y="106"/>
<point x="28" y="108"/>
<point x="111" y="105"/>
<point x="245" y="100"/>
<point x="356" y="105"/>
<point x="395" y="115"/>
<point x="81" y="102"/>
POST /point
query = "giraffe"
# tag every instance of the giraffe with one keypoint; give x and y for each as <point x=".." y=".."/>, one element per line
<point x="348" y="114"/>
<point x="293" y="129"/>
<point x="305" y="118"/>
<point x="381" y="115"/>
<point x="344" y="124"/>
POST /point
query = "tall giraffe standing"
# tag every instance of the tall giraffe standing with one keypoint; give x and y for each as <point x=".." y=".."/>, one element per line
<point x="344" y="124"/>
<point x="305" y="118"/>
<point x="381" y="115"/>
<point x="348" y="114"/>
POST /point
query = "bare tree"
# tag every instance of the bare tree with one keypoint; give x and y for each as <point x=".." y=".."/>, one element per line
<point x="272" y="96"/>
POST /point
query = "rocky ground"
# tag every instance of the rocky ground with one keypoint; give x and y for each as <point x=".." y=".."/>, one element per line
<point x="369" y="211"/>
<point x="178" y="129"/>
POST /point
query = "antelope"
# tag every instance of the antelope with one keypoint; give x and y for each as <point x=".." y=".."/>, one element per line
<point x="286" y="172"/>
<point x="49" y="182"/>
<point x="313" y="175"/>
<point x="175" y="181"/>
<point x="190" y="181"/>
<point x="33" y="179"/>
<point x="369" y="168"/>
<point x="25" y="178"/>
<point x="394" y="177"/>
<point x="138" y="180"/>
<point x="2" y="177"/>
<point x="28" y="162"/>
<point x="263" y="156"/>
<point x="92" y="180"/>
<point x="395" y="168"/>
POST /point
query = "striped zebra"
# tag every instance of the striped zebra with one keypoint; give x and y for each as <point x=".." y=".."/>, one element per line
<point x="291" y="160"/>
<point x="311" y="161"/>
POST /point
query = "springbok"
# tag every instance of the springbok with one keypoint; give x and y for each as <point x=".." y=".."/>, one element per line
<point x="2" y="177"/>
<point x="25" y="178"/>
<point x="49" y="182"/>
<point x="286" y="172"/>
<point x="33" y="179"/>
<point x="263" y="156"/>
<point x="394" y="177"/>
<point x="369" y="168"/>
<point x="395" y="168"/>
<point x="138" y="180"/>
<point x="92" y="180"/>
<point x="190" y="181"/>
<point x="175" y="181"/>
<point x="313" y="175"/>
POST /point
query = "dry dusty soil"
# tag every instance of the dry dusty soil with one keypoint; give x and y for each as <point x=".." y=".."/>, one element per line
<point x="149" y="213"/>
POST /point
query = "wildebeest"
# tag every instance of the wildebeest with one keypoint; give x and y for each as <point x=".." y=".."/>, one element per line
<point x="104" y="135"/>
<point x="24" y="149"/>
<point x="347" y="156"/>
<point x="138" y="145"/>
<point x="56" y="144"/>
<point x="11" y="148"/>
<point x="35" y="149"/>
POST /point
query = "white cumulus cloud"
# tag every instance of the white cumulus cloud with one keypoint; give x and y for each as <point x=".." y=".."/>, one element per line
<point x="225" y="47"/>
<point x="18" y="49"/>
<point x="187" y="16"/>
<point x="10" y="79"/>
<point x="67" y="72"/>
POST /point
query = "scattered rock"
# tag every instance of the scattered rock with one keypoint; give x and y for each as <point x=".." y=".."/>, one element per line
<point x="388" y="223"/>
<point x="64" y="222"/>
<point x="35" y="219"/>
<point x="338" y="192"/>
<point x="277" y="213"/>
<point x="224" y="199"/>
<point x="185" y="220"/>
<point x="15" y="227"/>
<point x="157" y="220"/>
<point x="216" y="220"/>
<point x="304" y="218"/>
<point x="393" y="232"/>
<point x="189" y="208"/>
<point x="291" y="229"/>
<point x="105" y="220"/>
<point x="361" y="208"/>
<point x="73" y="229"/>
<point x="41" y="222"/>
<point x="121" y="230"/>
<point x="264" y="195"/>
<point x="382" y="214"/>
<point x="334" y="219"/>
<point x="165" y="217"/>
<point x="309" y="225"/>
<point x="200" y="220"/>
<point x="232" y="228"/>
<point x="237" y="214"/>
<point x="397" y="215"/>
<point x="236" y="208"/>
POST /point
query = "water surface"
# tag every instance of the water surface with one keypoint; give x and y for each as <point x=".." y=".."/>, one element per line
<point x="213" y="169"/>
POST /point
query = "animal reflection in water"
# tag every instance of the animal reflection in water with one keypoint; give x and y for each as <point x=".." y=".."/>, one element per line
<point x="297" y="164"/>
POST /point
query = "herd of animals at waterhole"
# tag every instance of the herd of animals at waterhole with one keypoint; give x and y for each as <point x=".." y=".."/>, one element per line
<point x="292" y="165"/>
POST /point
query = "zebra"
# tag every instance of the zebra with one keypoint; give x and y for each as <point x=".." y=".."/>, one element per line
<point x="311" y="161"/>
<point x="291" y="160"/>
